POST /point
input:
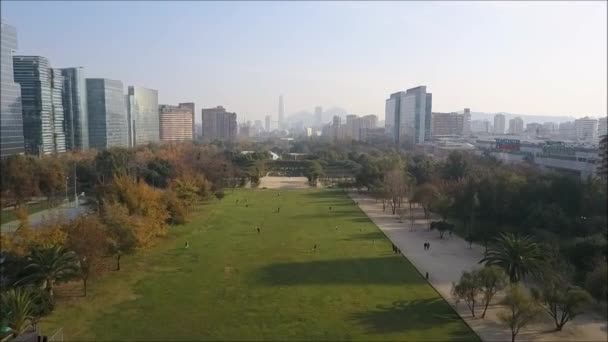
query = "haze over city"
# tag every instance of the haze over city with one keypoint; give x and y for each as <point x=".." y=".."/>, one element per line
<point x="530" y="58"/>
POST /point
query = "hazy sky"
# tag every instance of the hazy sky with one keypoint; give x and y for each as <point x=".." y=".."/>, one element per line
<point x="522" y="57"/>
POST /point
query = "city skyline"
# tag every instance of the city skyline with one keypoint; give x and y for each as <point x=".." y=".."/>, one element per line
<point x="504" y="73"/>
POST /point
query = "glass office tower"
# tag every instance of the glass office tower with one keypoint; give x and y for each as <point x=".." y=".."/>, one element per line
<point x="107" y="113"/>
<point x="41" y="102"/>
<point x="142" y="113"/>
<point x="11" y="117"/>
<point x="75" y="109"/>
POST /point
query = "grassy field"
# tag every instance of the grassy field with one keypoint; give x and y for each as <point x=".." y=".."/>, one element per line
<point x="234" y="283"/>
<point x="9" y="215"/>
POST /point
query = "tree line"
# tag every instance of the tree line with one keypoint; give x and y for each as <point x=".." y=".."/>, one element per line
<point x="134" y="195"/>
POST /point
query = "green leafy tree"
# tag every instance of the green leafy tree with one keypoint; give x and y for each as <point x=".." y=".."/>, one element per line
<point x="596" y="282"/>
<point x="522" y="309"/>
<point x="518" y="256"/>
<point x="491" y="279"/>
<point x="467" y="289"/>
<point x="561" y="301"/>
<point x="425" y="194"/>
<point x="47" y="266"/>
<point x="17" y="309"/>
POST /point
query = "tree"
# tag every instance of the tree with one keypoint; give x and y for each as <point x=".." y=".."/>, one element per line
<point x="121" y="237"/>
<point x="456" y="166"/>
<point x="467" y="289"/>
<point x="178" y="209"/>
<point x="19" y="178"/>
<point x="426" y="194"/>
<point x="52" y="178"/>
<point x="518" y="256"/>
<point x="88" y="237"/>
<point x="17" y="309"/>
<point x="521" y="309"/>
<point x="561" y="301"/>
<point x="491" y="279"/>
<point x="442" y="227"/>
<point x="596" y="282"/>
<point x="47" y="266"/>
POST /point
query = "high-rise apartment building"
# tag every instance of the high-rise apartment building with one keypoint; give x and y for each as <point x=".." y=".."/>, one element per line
<point x="481" y="126"/>
<point x="107" y="113"/>
<point x="534" y="129"/>
<point x="218" y="124"/>
<point x="318" y="115"/>
<point x="142" y="115"/>
<point x="76" y="117"/>
<point x="567" y="130"/>
<point x="175" y="122"/>
<point x="267" y="123"/>
<point x="466" y="122"/>
<point x="190" y="106"/>
<point x="408" y="115"/>
<point x="352" y="127"/>
<point x="281" y="113"/>
<point x="447" y="123"/>
<point x="516" y="126"/>
<point x="586" y="129"/>
<point x="42" y="107"/>
<point x="499" y="124"/>
<point x="11" y="116"/>
<point x="602" y="128"/>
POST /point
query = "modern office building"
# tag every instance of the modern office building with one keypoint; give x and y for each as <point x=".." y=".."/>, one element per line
<point x="602" y="128"/>
<point x="175" y="122"/>
<point x="41" y="101"/>
<point x="11" y="116"/>
<point x="218" y="124"/>
<point x="142" y="115"/>
<point x="516" y="126"/>
<point x="107" y="114"/>
<point x="408" y="115"/>
<point x="586" y="129"/>
<point x="267" y="123"/>
<point x="76" y="117"/>
<point x="281" y="113"/>
<point x="499" y="124"/>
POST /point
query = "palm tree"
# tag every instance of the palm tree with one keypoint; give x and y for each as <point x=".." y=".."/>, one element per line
<point x="46" y="266"/>
<point x="518" y="256"/>
<point x="17" y="309"/>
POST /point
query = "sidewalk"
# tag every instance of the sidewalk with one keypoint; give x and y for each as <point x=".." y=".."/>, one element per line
<point x="68" y="210"/>
<point x="445" y="262"/>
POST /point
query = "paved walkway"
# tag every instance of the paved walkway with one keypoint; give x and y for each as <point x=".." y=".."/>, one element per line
<point x="68" y="210"/>
<point x="445" y="262"/>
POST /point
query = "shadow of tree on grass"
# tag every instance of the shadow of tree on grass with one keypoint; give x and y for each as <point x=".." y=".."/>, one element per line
<point x="382" y="270"/>
<point x="419" y="314"/>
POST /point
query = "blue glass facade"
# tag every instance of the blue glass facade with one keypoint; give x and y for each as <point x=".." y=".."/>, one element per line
<point x="42" y="106"/>
<point x="142" y="114"/>
<point x="75" y="109"/>
<point x="11" y="117"/>
<point x="107" y="113"/>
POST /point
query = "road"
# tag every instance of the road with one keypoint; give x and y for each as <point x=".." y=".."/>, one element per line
<point x="68" y="210"/>
<point x="445" y="262"/>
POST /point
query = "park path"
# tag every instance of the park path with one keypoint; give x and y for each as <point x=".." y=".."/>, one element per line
<point x="445" y="262"/>
<point x="68" y="210"/>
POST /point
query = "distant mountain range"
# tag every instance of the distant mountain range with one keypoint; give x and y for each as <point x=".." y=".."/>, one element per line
<point x="528" y="118"/>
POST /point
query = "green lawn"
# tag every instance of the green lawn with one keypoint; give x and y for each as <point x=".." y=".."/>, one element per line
<point x="234" y="284"/>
